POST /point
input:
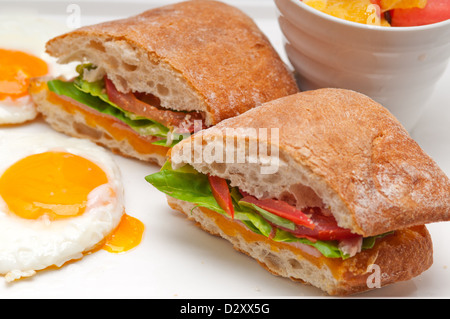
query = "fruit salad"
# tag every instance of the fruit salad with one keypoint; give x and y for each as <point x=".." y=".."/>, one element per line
<point x="395" y="13"/>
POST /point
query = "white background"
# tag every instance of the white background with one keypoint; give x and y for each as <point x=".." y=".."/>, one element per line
<point x="177" y="259"/>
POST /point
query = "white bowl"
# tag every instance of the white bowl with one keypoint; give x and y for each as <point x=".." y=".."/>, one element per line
<point x="396" y="66"/>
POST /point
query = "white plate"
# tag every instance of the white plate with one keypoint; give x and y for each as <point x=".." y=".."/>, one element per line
<point x="176" y="258"/>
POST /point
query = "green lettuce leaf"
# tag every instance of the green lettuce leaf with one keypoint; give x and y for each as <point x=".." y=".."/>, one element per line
<point x="329" y="249"/>
<point x="142" y="126"/>
<point x="369" y="242"/>
<point x="185" y="184"/>
<point x="191" y="186"/>
<point x="98" y="89"/>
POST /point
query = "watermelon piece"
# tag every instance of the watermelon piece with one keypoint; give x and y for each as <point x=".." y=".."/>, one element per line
<point x="434" y="11"/>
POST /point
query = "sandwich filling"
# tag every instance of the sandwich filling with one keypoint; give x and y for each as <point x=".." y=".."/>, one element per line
<point x="272" y="218"/>
<point x="140" y="111"/>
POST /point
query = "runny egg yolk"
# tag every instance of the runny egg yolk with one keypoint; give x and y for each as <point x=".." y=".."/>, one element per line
<point x="16" y="69"/>
<point x="55" y="184"/>
<point x="126" y="236"/>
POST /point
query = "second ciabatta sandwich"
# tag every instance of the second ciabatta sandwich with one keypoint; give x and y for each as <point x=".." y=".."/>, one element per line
<point x="147" y="81"/>
<point x="324" y="187"/>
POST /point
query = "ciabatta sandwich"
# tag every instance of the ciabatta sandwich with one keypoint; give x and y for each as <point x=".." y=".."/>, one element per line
<point x="147" y="81"/>
<point x="324" y="187"/>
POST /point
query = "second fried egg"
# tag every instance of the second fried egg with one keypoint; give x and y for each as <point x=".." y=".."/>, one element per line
<point x="22" y="57"/>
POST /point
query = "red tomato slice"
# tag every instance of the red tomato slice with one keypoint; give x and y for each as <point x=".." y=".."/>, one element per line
<point x="281" y="209"/>
<point x="221" y="194"/>
<point x="435" y="11"/>
<point x="316" y="227"/>
<point x="326" y="229"/>
<point x="129" y="102"/>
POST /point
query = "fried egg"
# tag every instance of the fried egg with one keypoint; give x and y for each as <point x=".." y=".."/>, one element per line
<point x="60" y="197"/>
<point x="22" y="57"/>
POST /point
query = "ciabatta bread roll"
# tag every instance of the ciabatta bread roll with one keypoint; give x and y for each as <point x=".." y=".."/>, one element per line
<point x="194" y="60"/>
<point x="329" y="187"/>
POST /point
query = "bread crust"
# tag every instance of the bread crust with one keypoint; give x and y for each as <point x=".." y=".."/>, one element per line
<point x="400" y="257"/>
<point x="382" y="177"/>
<point x="217" y="49"/>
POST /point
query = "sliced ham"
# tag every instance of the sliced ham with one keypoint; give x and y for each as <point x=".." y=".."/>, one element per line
<point x="351" y="246"/>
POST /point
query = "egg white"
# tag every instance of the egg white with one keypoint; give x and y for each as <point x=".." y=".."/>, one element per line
<point x="28" y="32"/>
<point x="30" y="245"/>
